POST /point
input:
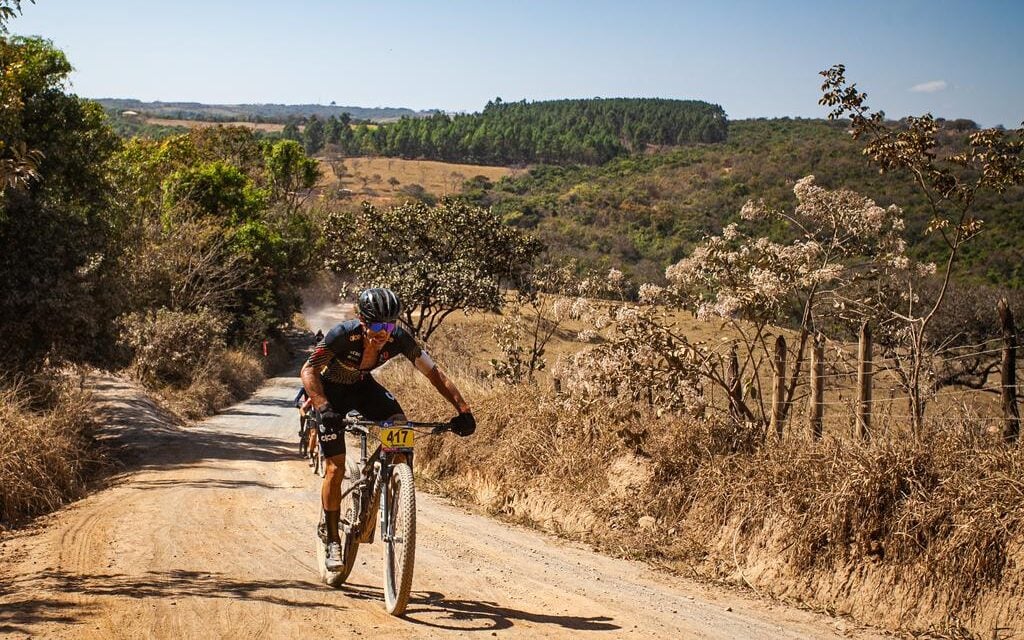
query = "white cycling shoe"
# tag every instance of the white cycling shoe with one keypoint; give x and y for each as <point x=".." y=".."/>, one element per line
<point x="333" y="561"/>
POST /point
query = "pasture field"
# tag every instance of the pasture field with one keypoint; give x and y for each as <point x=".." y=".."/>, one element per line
<point x="380" y="180"/>
<point x="269" y="127"/>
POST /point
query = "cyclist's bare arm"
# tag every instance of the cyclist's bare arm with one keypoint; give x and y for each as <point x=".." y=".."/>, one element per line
<point x="425" y="365"/>
<point x="314" y="384"/>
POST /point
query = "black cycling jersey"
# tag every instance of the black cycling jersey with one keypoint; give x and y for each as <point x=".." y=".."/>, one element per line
<point x="339" y="354"/>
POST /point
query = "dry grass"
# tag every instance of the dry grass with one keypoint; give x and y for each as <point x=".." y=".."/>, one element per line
<point x="46" y="448"/>
<point x="202" y="124"/>
<point x="220" y="382"/>
<point x="381" y="180"/>
<point x="918" y="535"/>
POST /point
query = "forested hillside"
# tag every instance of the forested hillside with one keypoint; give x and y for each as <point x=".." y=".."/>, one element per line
<point x="645" y="211"/>
<point x="553" y="132"/>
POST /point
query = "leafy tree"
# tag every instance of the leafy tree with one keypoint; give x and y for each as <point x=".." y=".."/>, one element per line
<point x="314" y="135"/>
<point x="438" y="259"/>
<point x="58" y="229"/>
<point x="951" y="181"/>
<point x="218" y="225"/>
<point x="332" y="130"/>
<point x="291" y="174"/>
<point x="215" y="189"/>
<point x="291" y="132"/>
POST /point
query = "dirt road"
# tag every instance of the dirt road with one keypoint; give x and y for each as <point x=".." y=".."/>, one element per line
<point x="211" y="536"/>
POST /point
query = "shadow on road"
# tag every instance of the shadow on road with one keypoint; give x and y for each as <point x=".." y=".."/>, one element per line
<point x="17" y="616"/>
<point x="210" y="483"/>
<point x="142" y="436"/>
<point x="433" y="609"/>
<point x="285" y="403"/>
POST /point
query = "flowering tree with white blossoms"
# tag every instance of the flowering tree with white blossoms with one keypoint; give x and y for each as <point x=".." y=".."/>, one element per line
<point x="841" y="239"/>
<point x="644" y="362"/>
<point x="543" y="299"/>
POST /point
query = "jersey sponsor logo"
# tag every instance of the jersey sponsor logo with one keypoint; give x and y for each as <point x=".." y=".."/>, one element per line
<point x="328" y="437"/>
<point x="355" y="337"/>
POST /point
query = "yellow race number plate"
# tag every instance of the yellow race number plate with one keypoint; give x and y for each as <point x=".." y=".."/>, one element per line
<point x="395" y="438"/>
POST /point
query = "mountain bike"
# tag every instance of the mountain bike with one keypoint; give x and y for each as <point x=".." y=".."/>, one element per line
<point x="382" y="479"/>
<point x="307" y="428"/>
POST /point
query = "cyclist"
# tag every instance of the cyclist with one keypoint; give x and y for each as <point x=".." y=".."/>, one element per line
<point x="337" y="378"/>
<point x="307" y="436"/>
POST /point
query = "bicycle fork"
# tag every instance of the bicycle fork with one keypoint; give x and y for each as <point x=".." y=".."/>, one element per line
<point x="385" y="503"/>
<point x="386" y="510"/>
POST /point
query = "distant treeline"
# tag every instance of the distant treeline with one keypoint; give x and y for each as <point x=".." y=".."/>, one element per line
<point x="277" y="113"/>
<point x="553" y="132"/>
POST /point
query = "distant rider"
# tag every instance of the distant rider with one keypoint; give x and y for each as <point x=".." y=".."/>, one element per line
<point x="307" y="436"/>
<point x="337" y="378"/>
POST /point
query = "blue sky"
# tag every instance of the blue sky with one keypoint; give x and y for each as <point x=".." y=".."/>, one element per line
<point x="953" y="59"/>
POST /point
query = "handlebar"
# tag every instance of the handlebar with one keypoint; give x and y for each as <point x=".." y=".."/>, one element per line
<point x="360" y="425"/>
<point x="355" y="424"/>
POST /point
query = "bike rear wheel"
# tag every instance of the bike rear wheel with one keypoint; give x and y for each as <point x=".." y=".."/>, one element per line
<point x="350" y="509"/>
<point x="349" y="547"/>
<point x="400" y="539"/>
<point x="319" y="461"/>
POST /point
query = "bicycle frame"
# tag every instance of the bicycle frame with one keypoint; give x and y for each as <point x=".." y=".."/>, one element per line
<point x="375" y="473"/>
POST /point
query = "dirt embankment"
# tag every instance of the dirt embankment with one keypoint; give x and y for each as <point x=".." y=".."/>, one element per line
<point x="210" y="534"/>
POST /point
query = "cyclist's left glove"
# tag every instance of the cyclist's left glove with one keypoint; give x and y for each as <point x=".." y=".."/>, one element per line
<point x="463" y="424"/>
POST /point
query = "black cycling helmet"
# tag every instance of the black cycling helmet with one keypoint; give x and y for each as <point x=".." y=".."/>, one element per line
<point x="379" y="305"/>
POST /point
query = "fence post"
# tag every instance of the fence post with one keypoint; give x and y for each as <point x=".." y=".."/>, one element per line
<point x="816" y="405"/>
<point x="779" y="387"/>
<point x="864" y="383"/>
<point x="1008" y="374"/>
<point x="733" y="385"/>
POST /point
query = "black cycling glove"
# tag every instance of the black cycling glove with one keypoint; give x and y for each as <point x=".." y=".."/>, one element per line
<point x="463" y="424"/>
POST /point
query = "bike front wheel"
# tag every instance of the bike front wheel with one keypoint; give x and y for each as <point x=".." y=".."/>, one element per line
<point x="399" y="539"/>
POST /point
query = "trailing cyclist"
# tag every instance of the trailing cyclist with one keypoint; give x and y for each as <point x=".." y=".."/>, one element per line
<point x="337" y="379"/>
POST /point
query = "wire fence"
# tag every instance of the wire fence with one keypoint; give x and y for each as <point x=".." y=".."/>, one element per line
<point x="975" y="381"/>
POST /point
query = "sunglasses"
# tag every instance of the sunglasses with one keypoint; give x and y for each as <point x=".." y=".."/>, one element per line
<point x="381" y="326"/>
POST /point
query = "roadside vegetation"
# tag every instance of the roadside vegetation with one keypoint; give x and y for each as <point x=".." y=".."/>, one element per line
<point x="698" y="449"/>
<point x="173" y="260"/>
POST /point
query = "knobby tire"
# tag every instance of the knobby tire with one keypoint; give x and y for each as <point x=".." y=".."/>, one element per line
<point x="350" y="540"/>
<point x="400" y="550"/>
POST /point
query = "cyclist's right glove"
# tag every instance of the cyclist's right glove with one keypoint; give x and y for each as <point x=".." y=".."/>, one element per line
<point x="331" y="419"/>
<point x="463" y="424"/>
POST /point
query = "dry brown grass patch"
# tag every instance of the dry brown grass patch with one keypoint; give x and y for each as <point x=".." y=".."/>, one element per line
<point x="46" y="448"/>
<point x="839" y="524"/>
<point x="219" y="382"/>
<point x="384" y="179"/>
